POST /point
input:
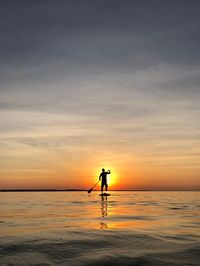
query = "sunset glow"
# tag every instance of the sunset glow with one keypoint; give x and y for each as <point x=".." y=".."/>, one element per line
<point x="85" y="89"/>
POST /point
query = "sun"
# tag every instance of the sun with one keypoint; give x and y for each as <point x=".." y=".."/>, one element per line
<point x="112" y="179"/>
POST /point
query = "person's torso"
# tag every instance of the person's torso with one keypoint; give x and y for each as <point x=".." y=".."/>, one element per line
<point x="104" y="176"/>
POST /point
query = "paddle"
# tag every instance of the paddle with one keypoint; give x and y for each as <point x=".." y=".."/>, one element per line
<point x="90" y="190"/>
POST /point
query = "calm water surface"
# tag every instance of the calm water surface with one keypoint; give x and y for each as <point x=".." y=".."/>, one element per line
<point x="76" y="228"/>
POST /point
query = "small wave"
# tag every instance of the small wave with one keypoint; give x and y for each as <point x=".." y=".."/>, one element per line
<point x="96" y="248"/>
<point x="131" y="217"/>
<point x="77" y="202"/>
<point x="176" y="208"/>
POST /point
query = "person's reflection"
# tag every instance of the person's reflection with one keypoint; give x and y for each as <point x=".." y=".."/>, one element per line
<point x="103" y="226"/>
<point x="104" y="211"/>
<point x="104" y="206"/>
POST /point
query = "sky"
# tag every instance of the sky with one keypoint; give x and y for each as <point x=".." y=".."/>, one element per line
<point x="100" y="83"/>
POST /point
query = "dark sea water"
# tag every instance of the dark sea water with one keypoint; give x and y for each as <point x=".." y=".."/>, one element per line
<point x="74" y="228"/>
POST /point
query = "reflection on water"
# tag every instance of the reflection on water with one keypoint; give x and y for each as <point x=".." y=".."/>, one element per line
<point x="162" y="224"/>
<point x="157" y="212"/>
<point x="103" y="226"/>
<point x="104" y="211"/>
<point x="104" y="206"/>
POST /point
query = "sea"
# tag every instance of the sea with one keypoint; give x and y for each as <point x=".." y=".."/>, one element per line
<point x="77" y="228"/>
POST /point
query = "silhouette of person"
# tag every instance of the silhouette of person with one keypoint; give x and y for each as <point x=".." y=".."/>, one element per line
<point x="103" y="178"/>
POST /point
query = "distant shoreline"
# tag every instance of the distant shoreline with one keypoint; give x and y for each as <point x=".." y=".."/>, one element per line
<point x="78" y="190"/>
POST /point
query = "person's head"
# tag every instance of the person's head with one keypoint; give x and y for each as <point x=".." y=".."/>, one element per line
<point x="103" y="170"/>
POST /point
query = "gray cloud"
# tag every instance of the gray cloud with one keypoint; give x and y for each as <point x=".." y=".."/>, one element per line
<point x="94" y="30"/>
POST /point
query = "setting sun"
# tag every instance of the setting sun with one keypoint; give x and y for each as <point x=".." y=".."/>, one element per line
<point x="112" y="180"/>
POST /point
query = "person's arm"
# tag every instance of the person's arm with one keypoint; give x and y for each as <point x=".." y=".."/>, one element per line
<point x="109" y="172"/>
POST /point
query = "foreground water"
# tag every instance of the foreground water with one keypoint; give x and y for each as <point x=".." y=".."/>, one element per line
<point x="74" y="228"/>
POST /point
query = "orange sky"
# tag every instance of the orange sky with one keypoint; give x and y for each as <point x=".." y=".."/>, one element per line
<point x="52" y="168"/>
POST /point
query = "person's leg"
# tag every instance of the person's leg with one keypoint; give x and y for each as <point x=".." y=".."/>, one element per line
<point x="101" y="188"/>
<point x="106" y="185"/>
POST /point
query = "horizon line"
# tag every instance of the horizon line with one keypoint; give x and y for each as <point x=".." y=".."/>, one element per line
<point x="78" y="190"/>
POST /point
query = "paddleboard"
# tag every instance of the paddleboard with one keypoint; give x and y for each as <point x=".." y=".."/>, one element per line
<point x="104" y="194"/>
